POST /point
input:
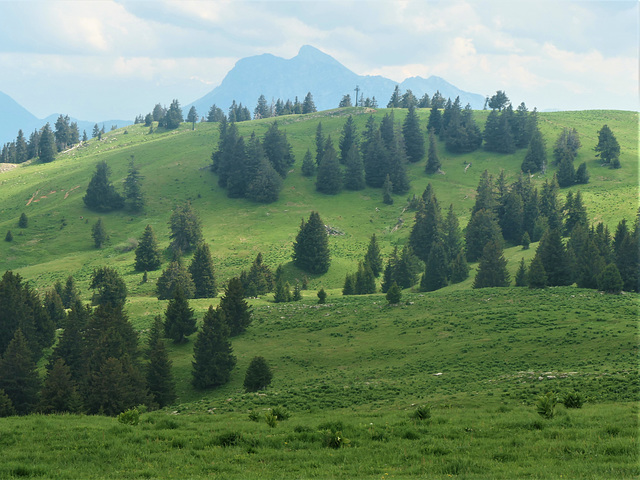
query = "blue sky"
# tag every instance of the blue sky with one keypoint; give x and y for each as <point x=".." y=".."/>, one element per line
<point x="114" y="59"/>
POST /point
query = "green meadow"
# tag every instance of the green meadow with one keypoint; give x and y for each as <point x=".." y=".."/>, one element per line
<point x="352" y="372"/>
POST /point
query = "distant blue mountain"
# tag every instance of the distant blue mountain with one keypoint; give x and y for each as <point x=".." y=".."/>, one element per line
<point x="316" y="72"/>
<point x="14" y="117"/>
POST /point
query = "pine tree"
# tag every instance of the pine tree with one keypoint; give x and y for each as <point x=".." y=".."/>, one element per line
<point x="308" y="106"/>
<point x="427" y="229"/>
<point x="185" y="228"/>
<point x="582" y="174"/>
<point x="213" y="357"/>
<point x="160" y="382"/>
<point x="308" y="165"/>
<point x="69" y="294"/>
<point x="147" y="252"/>
<point x="394" y="294"/>
<point x="554" y="258"/>
<point x="375" y="161"/>
<point x="174" y="276"/>
<point x="24" y="221"/>
<point x="202" y="273"/>
<point x="413" y="137"/>
<point x="59" y="393"/>
<point x="133" y="188"/>
<point x="311" y="247"/>
<point x="485" y="196"/>
<point x="46" y="145"/>
<point x="179" y="321"/>
<point x="609" y="280"/>
<point x="433" y="162"/>
<point x="436" y="268"/>
<point x="192" y="117"/>
<point x="54" y="307"/>
<point x="348" y="139"/>
<point x="537" y="276"/>
<point x="459" y="268"/>
<point x="387" y="190"/>
<point x="237" y="312"/>
<point x="372" y="259"/>
<point x="576" y="212"/>
<point x="521" y="274"/>
<point x="173" y="118"/>
<point x="354" y="174"/>
<point x="70" y="347"/>
<point x="258" y="376"/>
<point x="101" y="195"/>
<point x="266" y="184"/>
<point x="608" y="148"/>
<point x="452" y="236"/>
<point x="259" y="280"/>
<point x="511" y="222"/>
<point x="278" y="150"/>
<point x="566" y="173"/>
<point x="99" y="233"/>
<point x="109" y="287"/>
<point x="492" y="271"/>
<point x="329" y="178"/>
<point x="18" y="375"/>
<point x="435" y="119"/>
<point x="482" y="229"/>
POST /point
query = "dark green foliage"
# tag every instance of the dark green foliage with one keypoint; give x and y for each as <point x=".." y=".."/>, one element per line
<point x="237" y="312"/>
<point x="608" y="148"/>
<point x="576" y="212"/>
<point x="173" y="118"/>
<point x="536" y="156"/>
<point x="215" y="114"/>
<point x="258" y="376"/>
<point x="109" y="287"/>
<point x="162" y="388"/>
<point x="278" y="150"/>
<point x="566" y="173"/>
<point x="259" y="280"/>
<point x="354" y="172"/>
<point x="320" y="143"/>
<point x="47" y="145"/>
<point x="59" y="393"/>
<point x="526" y="240"/>
<point x="427" y="228"/>
<point x="436" y="268"/>
<point x="311" y="247"/>
<point x="213" y="357"/>
<point x="482" y="229"/>
<point x="307" y="105"/>
<point x="99" y="233"/>
<point x="365" y="281"/>
<point x="8" y="237"/>
<point x="373" y="259"/>
<point x="174" y="276"/>
<point x="413" y="137"/>
<point x="537" y="276"/>
<point x="329" y="178"/>
<point x="6" y="407"/>
<point x="492" y="270"/>
<point x="308" y="165"/>
<point x="553" y="255"/>
<point x="435" y="119"/>
<point x="521" y="274"/>
<point x="322" y="296"/>
<point x="519" y="125"/>
<point x="348" y="139"/>
<point x="147" y="252"/>
<point x="24" y="221"/>
<point x="349" y="287"/>
<point x="180" y="321"/>
<point x="265" y="185"/>
<point x="433" y="162"/>
<point x="18" y="374"/>
<point x="133" y="188"/>
<point x="549" y="206"/>
<point x="69" y="294"/>
<point x="282" y="293"/>
<point x="185" y="228"/>
<point x="345" y="101"/>
<point x="202" y="273"/>
<point x="609" y="280"/>
<point x="395" y="100"/>
<point x="387" y="190"/>
<point x="375" y="160"/>
<point x="71" y="346"/>
<point x="582" y="174"/>
<point x="627" y="256"/>
<point x="459" y="267"/>
<point x="101" y="195"/>
<point x="511" y="221"/>
<point x="485" y="196"/>
<point x="394" y="294"/>
<point x="499" y="101"/>
<point x="402" y="269"/>
<point x="54" y="307"/>
<point x="463" y="134"/>
<point x="192" y="117"/>
<point x="566" y="146"/>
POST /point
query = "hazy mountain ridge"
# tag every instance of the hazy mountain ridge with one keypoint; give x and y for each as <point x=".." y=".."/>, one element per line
<point x="314" y="71"/>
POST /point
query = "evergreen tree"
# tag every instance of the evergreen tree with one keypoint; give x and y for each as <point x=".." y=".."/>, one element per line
<point x="526" y="240"/>
<point x="435" y="119"/>
<point x="345" y="101"/>
<point x="213" y="357"/>
<point x="215" y="114"/>
<point x="482" y="229"/>
<point x="576" y="212"/>
<point x="372" y="259"/>
<point x="396" y="167"/>
<point x="354" y="174"/>
<point x="99" y="233"/>
<point x="536" y="157"/>
<point x="589" y="263"/>
<point x="349" y="287"/>
<point x="185" y="228"/>
<point x="451" y="234"/>
<point x="133" y="188"/>
<point x="101" y="195"/>
<point x="566" y="173"/>
<point x="259" y="280"/>
<point x="582" y="174"/>
<point x="18" y="375"/>
<point x="262" y="109"/>
<point x="24" y="221"/>
<point x="627" y="258"/>
<point x="492" y="271"/>
<point x="519" y="126"/>
<point x="608" y="148"/>
<point x="192" y="117"/>
<point x="387" y="190"/>
<point x="266" y="184"/>
<point x="109" y="287"/>
<point x="173" y="118"/>
<point x="8" y="237"/>
<point x="413" y="137"/>
<point x="46" y="145"/>
<point x="6" y="407"/>
<point x="282" y="292"/>
<point x="329" y="178"/>
<point x="537" y="276"/>
<point x="308" y="165"/>
<point x="278" y="150"/>
<point x="491" y="133"/>
<point x="59" y="393"/>
<point x="71" y="346"/>
<point x="365" y="281"/>
<point x="162" y="387"/>
<point x="609" y="280"/>
<point x="394" y="294"/>
<point x="237" y="312"/>
<point x="173" y="277"/>
<point x="308" y="106"/>
<point x="69" y="295"/>
<point x="459" y="267"/>
<point x="566" y="146"/>
<point x="322" y="296"/>
<point x="258" y="376"/>
<point x="553" y="255"/>
<point x="179" y="321"/>
<point x="511" y="222"/>
<point x="549" y="207"/>
<point x="321" y="141"/>
<point x="485" y="196"/>
<point x="521" y="274"/>
<point x="54" y="308"/>
<point x="311" y="247"/>
<point x="395" y="100"/>
<point x="436" y="268"/>
<point x="347" y="139"/>
<point x="21" y="148"/>
<point x="375" y="161"/>
<point x="202" y="272"/>
<point x="427" y="229"/>
<point x="147" y="252"/>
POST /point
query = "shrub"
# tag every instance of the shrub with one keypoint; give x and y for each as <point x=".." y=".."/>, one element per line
<point x="573" y="400"/>
<point x="546" y="405"/>
<point x="130" y="417"/>
<point x="422" y="412"/>
<point x="258" y="375"/>
<point x="229" y="439"/>
<point x="334" y="439"/>
<point x="271" y="419"/>
<point x="254" y="416"/>
<point x="281" y="413"/>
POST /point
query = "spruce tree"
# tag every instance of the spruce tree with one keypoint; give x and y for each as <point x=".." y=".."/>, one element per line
<point x="133" y="188"/>
<point x="24" y="221"/>
<point x="320" y="143"/>
<point x="354" y="172"/>
<point x="162" y="388"/>
<point x="101" y="195"/>
<point x="147" y="252"/>
<point x="436" y="268"/>
<point x="59" y="393"/>
<point x="278" y="150"/>
<point x="433" y="162"/>
<point x="394" y="294"/>
<point x="511" y="221"/>
<point x="582" y="174"/>
<point x="492" y="271"/>
<point x="202" y="272"/>
<point x="608" y="148"/>
<point x="6" y="406"/>
<point x="348" y="139"/>
<point x="282" y="293"/>
<point x="521" y="274"/>
<point x="213" y="357"/>
<point x="375" y="160"/>
<point x="109" y="287"/>
<point x="387" y="190"/>
<point x="553" y="255"/>
<point x="536" y="156"/>
<point x="372" y="259"/>
<point x="259" y="280"/>
<point x="482" y="229"/>
<point x="427" y="229"/>
<point x="46" y="145"/>
<point x="459" y="267"/>
<point x="566" y="173"/>
<point x="173" y="117"/>
<point x="322" y="296"/>
<point x="8" y="237"/>
<point x="266" y="184"/>
<point x="365" y="281"/>
<point x="69" y="295"/>
<point x="485" y="195"/>
<point x="329" y="178"/>
<point x="413" y="137"/>
<point x="180" y="321"/>
<point x="349" y="287"/>
<point x="18" y="375"/>
<point x="184" y="224"/>
<point x="308" y="166"/>
<point x="237" y="312"/>
<point x="99" y="233"/>
<point x="54" y="307"/>
<point x="311" y="247"/>
<point x="537" y="276"/>
<point x="609" y="280"/>
<point x="172" y="277"/>
<point x="71" y="346"/>
<point x="258" y="376"/>
<point x="435" y="119"/>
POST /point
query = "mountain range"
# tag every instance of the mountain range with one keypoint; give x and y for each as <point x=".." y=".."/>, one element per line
<point x="312" y="70"/>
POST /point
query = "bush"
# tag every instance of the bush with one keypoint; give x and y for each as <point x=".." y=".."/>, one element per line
<point x="258" y="375"/>
<point x="573" y="400"/>
<point x="271" y="419"/>
<point x="423" y="412"/>
<point x="281" y="413"/>
<point x="254" y="416"/>
<point x="546" y="405"/>
<point x="334" y="439"/>
<point x="229" y="439"/>
<point x="130" y="417"/>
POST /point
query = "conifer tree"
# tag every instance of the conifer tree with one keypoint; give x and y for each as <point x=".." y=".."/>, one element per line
<point x="311" y="247"/>
<point x="413" y="137"/>
<point x="265" y="185"/>
<point x="179" y="321"/>
<point x="387" y="190"/>
<point x="329" y="178"/>
<point x="322" y="296"/>
<point x="348" y="139"/>
<point x="365" y="281"/>
<point x="8" y="237"/>
<point x="372" y="259"/>
<point x="18" y="375"/>
<point x="427" y="229"/>
<point x="70" y="293"/>
<point x="116" y="386"/>
<point x="71" y="346"/>
<point x="549" y="206"/>
<point x="278" y="150"/>
<point x="433" y="162"/>
<point x="608" y="148"/>
<point x="59" y="393"/>
<point x="109" y="287"/>
<point x="162" y="388"/>
<point x="202" y="273"/>
<point x="259" y="280"/>
<point x="173" y="118"/>
<point x="133" y="188"/>
<point x="192" y="117"/>
<point x="354" y="173"/>
<point x="521" y="274"/>
<point x="536" y="156"/>
<point x="576" y="212"/>
<point x="589" y="264"/>
<point x="46" y="145"/>
<point x="511" y="221"/>
<point x="213" y="357"/>
<point x="53" y="306"/>
<point x="609" y="280"/>
<point x="553" y="255"/>
<point x="101" y="195"/>
<point x="582" y="174"/>
<point x="459" y="268"/>
<point x="452" y="236"/>
<point x="537" y="276"/>
<point x="566" y="173"/>
<point x="6" y="407"/>
<point x="435" y="119"/>
<point x="394" y="294"/>
<point x="258" y="376"/>
<point x="174" y="276"/>
<point x="307" y="105"/>
<point x="485" y="195"/>
<point x="396" y="160"/>
<point x="482" y="229"/>
<point x="349" y="287"/>
<point x="237" y="312"/>
<point x="321" y="141"/>
<point x="492" y="271"/>
<point x="184" y="224"/>
<point x="99" y="233"/>
<point x="375" y="161"/>
<point x="24" y="221"/>
<point x="147" y="252"/>
<point x="436" y="268"/>
<point x="282" y="293"/>
<point x="308" y="165"/>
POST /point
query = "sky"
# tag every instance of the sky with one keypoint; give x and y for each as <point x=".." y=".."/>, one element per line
<point x="114" y="59"/>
